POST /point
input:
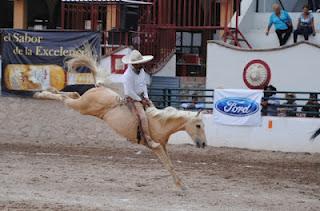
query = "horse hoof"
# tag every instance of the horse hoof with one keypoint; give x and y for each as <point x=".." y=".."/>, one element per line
<point x="182" y="191"/>
<point x="184" y="188"/>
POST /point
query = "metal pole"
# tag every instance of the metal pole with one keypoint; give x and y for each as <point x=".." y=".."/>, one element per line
<point x="62" y="15"/>
<point x="164" y="97"/>
<point x="226" y="21"/>
<point x="184" y="16"/>
<point x="169" y="97"/>
<point x="160" y="13"/>
<point x="194" y="13"/>
<point x="92" y="16"/>
<point x="237" y="21"/>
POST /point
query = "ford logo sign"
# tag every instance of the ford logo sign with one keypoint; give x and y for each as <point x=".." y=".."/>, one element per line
<point x="237" y="106"/>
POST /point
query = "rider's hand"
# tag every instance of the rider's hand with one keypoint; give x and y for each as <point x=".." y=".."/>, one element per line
<point x="129" y="99"/>
<point x="146" y="102"/>
<point x="149" y="102"/>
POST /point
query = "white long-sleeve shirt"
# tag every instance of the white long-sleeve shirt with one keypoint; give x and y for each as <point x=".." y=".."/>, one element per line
<point x="135" y="84"/>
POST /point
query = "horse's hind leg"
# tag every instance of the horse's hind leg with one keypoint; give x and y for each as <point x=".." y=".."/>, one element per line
<point x="66" y="99"/>
<point x="48" y="96"/>
<point x="73" y="95"/>
<point x="167" y="164"/>
<point x="53" y="94"/>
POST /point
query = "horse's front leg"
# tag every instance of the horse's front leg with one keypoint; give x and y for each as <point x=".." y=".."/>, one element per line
<point x="160" y="152"/>
<point x="166" y="151"/>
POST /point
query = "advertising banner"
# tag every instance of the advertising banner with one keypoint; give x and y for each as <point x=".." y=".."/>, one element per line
<point x="237" y="107"/>
<point x="34" y="60"/>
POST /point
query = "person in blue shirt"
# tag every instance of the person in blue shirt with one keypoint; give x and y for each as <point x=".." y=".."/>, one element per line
<point x="282" y="23"/>
<point x="194" y="105"/>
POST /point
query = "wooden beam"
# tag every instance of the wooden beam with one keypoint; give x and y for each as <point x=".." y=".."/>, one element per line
<point x="20" y="14"/>
<point x="226" y="11"/>
<point x="111" y="17"/>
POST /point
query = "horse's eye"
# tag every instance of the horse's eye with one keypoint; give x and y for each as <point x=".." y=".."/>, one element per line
<point x="198" y="126"/>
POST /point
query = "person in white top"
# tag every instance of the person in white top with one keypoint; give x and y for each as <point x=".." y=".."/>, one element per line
<point x="136" y="92"/>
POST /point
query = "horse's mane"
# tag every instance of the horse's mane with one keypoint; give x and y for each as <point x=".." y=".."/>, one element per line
<point x="169" y="113"/>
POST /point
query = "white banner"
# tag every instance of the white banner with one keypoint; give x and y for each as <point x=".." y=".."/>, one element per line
<point x="237" y="107"/>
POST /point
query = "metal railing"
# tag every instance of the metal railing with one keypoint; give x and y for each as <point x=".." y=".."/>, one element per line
<point x="179" y="97"/>
<point x="302" y="105"/>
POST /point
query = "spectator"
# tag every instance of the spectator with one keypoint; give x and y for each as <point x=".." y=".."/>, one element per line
<point x="305" y="25"/>
<point x="193" y="105"/>
<point x="289" y="108"/>
<point x="270" y="102"/>
<point x="282" y="23"/>
<point x="312" y="106"/>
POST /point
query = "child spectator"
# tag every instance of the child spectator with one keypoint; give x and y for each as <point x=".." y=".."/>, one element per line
<point x="282" y="23"/>
<point x="193" y="105"/>
<point x="305" y="25"/>
<point x="312" y="106"/>
<point x="289" y="108"/>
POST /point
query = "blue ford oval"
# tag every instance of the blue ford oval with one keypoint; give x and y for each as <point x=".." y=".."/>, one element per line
<point x="237" y="106"/>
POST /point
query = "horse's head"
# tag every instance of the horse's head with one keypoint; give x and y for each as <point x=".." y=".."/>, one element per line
<point x="195" y="128"/>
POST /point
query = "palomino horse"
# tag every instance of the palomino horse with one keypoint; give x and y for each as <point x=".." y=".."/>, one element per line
<point x="106" y="104"/>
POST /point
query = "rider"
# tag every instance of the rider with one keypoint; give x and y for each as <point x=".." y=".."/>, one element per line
<point x="135" y="90"/>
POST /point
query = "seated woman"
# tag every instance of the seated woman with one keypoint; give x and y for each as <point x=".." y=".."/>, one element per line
<point x="305" y="25"/>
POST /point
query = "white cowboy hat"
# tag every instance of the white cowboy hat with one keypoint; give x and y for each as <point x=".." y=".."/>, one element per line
<point x="135" y="57"/>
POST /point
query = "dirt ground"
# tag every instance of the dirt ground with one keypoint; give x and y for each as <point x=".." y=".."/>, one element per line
<point x="121" y="176"/>
<point x="52" y="158"/>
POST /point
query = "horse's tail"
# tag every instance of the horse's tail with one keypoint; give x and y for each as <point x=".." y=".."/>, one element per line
<point x="90" y="60"/>
<point x="315" y="134"/>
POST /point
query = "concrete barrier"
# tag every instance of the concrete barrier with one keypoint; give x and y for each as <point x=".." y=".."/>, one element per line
<point x="50" y="122"/>
<point x="288" y="134"/>
<point x="226" y="64"/>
